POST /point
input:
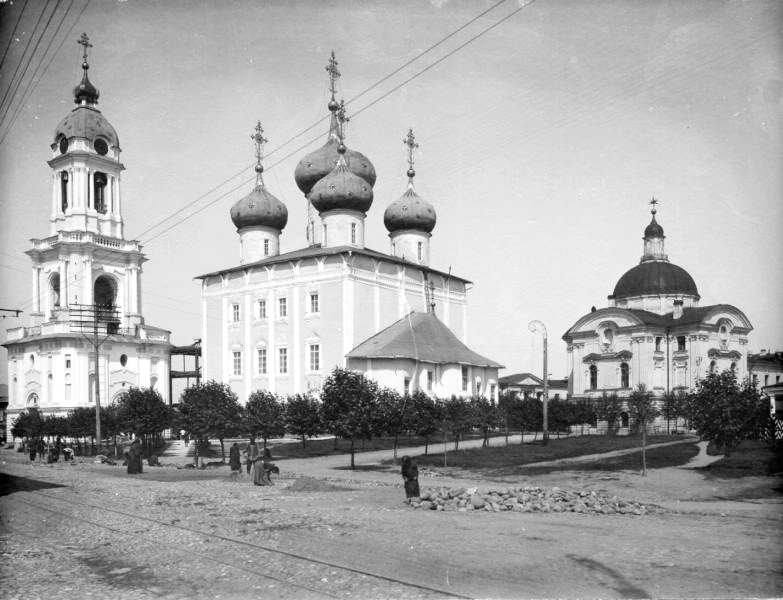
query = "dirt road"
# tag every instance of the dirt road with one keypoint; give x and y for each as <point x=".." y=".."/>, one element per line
<point x="92" y="531"/>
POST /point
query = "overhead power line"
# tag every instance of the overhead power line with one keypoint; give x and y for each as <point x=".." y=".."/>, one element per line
<point x="293" y="138"/>
<point x="13" y="34"/>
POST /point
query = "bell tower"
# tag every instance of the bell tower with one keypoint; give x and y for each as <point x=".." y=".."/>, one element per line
<point x="86" y="166"/>
<point x="86" y="260"/>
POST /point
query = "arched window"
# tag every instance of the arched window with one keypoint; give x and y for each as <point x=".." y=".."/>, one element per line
<point x="624" y="380"/>
<point x="713" y="366"/>
<point x="103" y="292"/>
<point x="99" y="188"/>
<point x="593" y="377"/>
<point x="54" y="289"/>
<point x="64" y="190"/>
<point x="419" y="247"/>
<point x="734" y="368"/>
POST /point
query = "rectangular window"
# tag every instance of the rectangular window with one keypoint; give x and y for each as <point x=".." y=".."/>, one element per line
<point x="262" y="309"/>
<point x="493" y="390"/>
<point x="235" y="313"/>
<point x="282" y="307"/>
<point x="237" y="362"/>
<point x="681" y="343"/>
<point x="315" y="357"/>
<point x="323" y="242"/>
<point x="314" y="303"/>
<point x="658" y="344"/>
<point x="262" y="361"/>
<point x="407" y="385"/>
<point x="282" y="360"/>
<point x="419" y="250"/>
<point x="266" y="247"/>
<point x="353" y="233"/>
<point x="429" y="381"/>
<point x="67" y="361"/>
<point x="464" y="379"/>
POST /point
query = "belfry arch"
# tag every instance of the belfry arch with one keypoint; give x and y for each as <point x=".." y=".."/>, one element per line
<point x="105" y="292"/>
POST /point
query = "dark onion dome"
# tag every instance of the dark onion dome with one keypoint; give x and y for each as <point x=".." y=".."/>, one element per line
<point x="655" y="277"/>
<point x="259" y="208"/>
<point x="86" y="122"/>
<point x="319" y="163"/>
<point x="409" y="211"/>
<point x="85" y="90"/>
<point x="653" y="230"/>
<point x="341" y="189"/>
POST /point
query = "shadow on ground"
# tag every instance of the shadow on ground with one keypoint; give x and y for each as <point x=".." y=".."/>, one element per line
<point x="10" y="484"/>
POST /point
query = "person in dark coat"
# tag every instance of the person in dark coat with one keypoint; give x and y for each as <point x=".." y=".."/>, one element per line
<point x="134" y="458"/>
<point x="410" y="477"/>
<point x="32" y="447"/>
<point x="252" y="454"/>
<point x="234" y="460"/>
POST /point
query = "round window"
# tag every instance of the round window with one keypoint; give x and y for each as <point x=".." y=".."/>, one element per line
<point x="123" y="360"/>
<point x="101" y="147"/>
<point x="63" y="145"/>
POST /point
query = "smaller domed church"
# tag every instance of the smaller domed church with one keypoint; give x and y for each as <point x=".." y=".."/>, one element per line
<point x="654" y="332"/>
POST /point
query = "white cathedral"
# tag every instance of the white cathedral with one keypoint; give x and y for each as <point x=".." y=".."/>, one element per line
<point x="86" y="282"/>
<point x="654" y="332"/>
<point x="282" y="322"/>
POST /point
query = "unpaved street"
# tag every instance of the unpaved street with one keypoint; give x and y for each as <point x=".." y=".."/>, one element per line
<point x="85" y="530"/>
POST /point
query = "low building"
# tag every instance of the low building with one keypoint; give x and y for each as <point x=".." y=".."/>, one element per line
<point x="527" y="385"/>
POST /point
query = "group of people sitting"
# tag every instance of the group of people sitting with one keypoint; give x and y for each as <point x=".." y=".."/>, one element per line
<point x="259" y="467"/>
<point x="48" y="452"/>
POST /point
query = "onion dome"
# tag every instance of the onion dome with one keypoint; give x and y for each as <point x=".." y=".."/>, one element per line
<point x="259" y="208"/>
<point x="655" y="278"/>
<point x="86" y="121"/>
<point x="319" y="163"/>
<point x="653" y="230"/>
<point x="341" y="189"/>
<point x="410" y="211"/>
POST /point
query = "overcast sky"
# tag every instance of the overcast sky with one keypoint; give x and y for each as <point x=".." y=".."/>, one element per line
<point x="541" y="142"/>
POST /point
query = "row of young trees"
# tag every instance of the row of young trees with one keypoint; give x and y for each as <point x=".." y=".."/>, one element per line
<point x="355" y="408"/>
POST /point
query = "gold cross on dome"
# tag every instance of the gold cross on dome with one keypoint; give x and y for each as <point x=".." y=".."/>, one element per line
<point x="410" y="141"/>
<point x="84" y="41"/>
<point x="260" y="140"/>
<point x="653" y="203"/>
<point x="342" y="118"/>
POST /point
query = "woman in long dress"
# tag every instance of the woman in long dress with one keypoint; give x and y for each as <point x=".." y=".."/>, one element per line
<point x="410" y="477"/>
<point x="234" y="461"/>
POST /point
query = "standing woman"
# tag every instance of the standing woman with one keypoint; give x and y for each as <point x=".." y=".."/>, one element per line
<point x="234" y="461"/>
<point x="410" y="477"/>
<point x="252" y="454"/>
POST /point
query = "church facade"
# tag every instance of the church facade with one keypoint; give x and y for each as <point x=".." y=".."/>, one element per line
<point x="86" y="281"/>
<point x="654" y="332"/>
<point x="282" y="322"/>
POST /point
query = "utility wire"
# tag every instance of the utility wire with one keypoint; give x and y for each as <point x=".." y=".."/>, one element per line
<point x="29" y="59"/>
<point x="321" y="120"/>
<point x="32" y="83"/>
<point x="13" y="34"/>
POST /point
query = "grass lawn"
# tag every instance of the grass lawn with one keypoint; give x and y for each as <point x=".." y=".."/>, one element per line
<point x="751" y="457"/>
<point x="515" y="456"/>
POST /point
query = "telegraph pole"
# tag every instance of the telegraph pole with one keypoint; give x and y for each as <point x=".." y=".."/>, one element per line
<point x="539" y="327"/>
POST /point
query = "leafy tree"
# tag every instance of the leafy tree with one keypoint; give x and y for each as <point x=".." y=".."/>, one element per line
<point x="142" y="412"/>
<point x="643" y="409"/>
<point x="531" y="415"/>
<point x="349" y="405"/>
<point x="584" y="413"/>
<point x="560" y="415"/>
<point x="484" y="416"/>
<point x="509" y="406"/>
<point x="28" y="424"/>
<point x="457" y="418"/>
<point x="264" y="415"/>
<point x="608" y="408"/>
<point x="210" y="410"/>
<point x="727" y="412"/>
<point x="426" y="417"/>
<point x="674" y="406"/>
<point x="303" y="416"/>
<point x="393" y="415"/>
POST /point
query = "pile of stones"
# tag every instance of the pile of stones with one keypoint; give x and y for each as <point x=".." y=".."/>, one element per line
<point x="528" y="499"/>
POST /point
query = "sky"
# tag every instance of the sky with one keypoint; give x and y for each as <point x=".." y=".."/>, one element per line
<point x="544" y="129"/>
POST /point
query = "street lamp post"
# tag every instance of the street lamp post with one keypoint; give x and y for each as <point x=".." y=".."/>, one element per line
<point x="538" y="326"/>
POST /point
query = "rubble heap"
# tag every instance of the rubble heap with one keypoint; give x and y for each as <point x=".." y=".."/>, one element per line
<point x="528" y="499"/>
